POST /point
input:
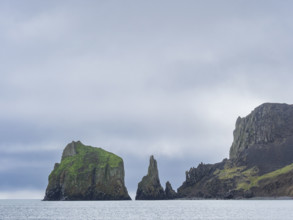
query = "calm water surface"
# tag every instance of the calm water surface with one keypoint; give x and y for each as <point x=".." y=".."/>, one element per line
<point x="192" y="209"/>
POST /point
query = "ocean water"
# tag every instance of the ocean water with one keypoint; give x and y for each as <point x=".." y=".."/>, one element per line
<point x="175" y="209"/>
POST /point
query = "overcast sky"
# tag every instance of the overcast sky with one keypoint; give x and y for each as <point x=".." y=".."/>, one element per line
<point x="136" y="78"/>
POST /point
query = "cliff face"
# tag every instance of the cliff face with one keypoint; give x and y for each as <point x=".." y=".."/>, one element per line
<point x="150" y="187"/>
<point x="202" y="182"/>
<point x="87" y="173"/>
<point x="266" y="124"/>
<point x="264" y="138"/>
<point x="261" y="159"/>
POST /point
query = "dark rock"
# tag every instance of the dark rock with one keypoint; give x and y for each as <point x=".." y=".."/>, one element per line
<point x="248" y="194"/>
<point x="200" y="182"/>
<point x="150" y="187"/>
<point x="280" y="185"/>
<point x="264" y="138"/>
<point x="230" y="194"/>
<point x="169" y="192"/>
<point x="261" y="159"/>
<point x="87" y="173"/>
<point x="194" y="175"/>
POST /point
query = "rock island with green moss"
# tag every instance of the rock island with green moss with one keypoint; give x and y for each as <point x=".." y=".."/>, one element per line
<point x="87" y="173"/>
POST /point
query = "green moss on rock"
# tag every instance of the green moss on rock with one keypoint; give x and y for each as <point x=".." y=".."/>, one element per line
<point x="229" y="173"/>
<point x="254" y="180"/>
<point x="87" y="173"/>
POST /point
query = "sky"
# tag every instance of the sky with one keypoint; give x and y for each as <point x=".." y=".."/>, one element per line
<point x="137" y="78"/>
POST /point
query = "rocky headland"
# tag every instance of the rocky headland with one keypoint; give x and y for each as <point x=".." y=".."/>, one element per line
<point x="87" y="173"/>
<point x="260" y="163"/>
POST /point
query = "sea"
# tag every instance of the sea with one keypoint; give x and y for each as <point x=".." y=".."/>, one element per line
<point x="124" y="210"/>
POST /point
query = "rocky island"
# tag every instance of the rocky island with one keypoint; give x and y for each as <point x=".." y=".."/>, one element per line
<point x="260" y="162"/>
<point x="87" y="173"/>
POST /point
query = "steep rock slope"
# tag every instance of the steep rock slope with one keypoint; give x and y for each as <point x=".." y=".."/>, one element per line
<point x="87" y="173"/>
<point x="261" y="159"/>
<point x="264" y="138"/>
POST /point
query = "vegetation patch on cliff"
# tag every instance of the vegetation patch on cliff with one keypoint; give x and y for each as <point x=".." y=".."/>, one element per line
<point x="229" y="173"/>
<point x="86" y="158"/>
<point x="253" y="181"/>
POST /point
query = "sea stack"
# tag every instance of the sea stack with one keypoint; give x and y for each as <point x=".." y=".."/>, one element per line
<point x="149" y="188"/>
<point x="87" y="173"/>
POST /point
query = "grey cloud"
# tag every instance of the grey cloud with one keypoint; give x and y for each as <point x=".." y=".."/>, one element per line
<point x="136" y="78"/>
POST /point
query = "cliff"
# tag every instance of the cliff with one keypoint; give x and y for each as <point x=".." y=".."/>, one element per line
<point x="264" y="138"/>
<point x="261" y="159"/>
<point x="150" y="187"/>
<point x="87" y="173"/>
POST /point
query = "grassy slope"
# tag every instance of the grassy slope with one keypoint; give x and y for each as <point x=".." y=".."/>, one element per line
<point x="86" y="159"/>
<point x="248" y="178"/>
<point x="254" y="180"/>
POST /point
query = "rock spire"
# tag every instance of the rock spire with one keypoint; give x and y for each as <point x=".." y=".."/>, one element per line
<point x="149" y="188"/>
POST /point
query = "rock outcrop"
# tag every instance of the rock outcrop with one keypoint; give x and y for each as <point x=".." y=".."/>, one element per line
<point x="150" y="187"/>
<point x="264" y="138"/>
<point x="87" y="173"/>
<point x="169" y="192"/>
<point x="202" y="182"/>
<point x="261" y="159"/>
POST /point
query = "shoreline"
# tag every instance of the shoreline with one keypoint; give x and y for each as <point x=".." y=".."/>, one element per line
<point x="253" y="198"/>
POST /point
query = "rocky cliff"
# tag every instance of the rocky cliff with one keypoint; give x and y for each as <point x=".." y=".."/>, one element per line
<point x="264" y="138"/>
<point x="261" y="159"/>
<point x="150" y="187"/>
<point x="87" y="173"/>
